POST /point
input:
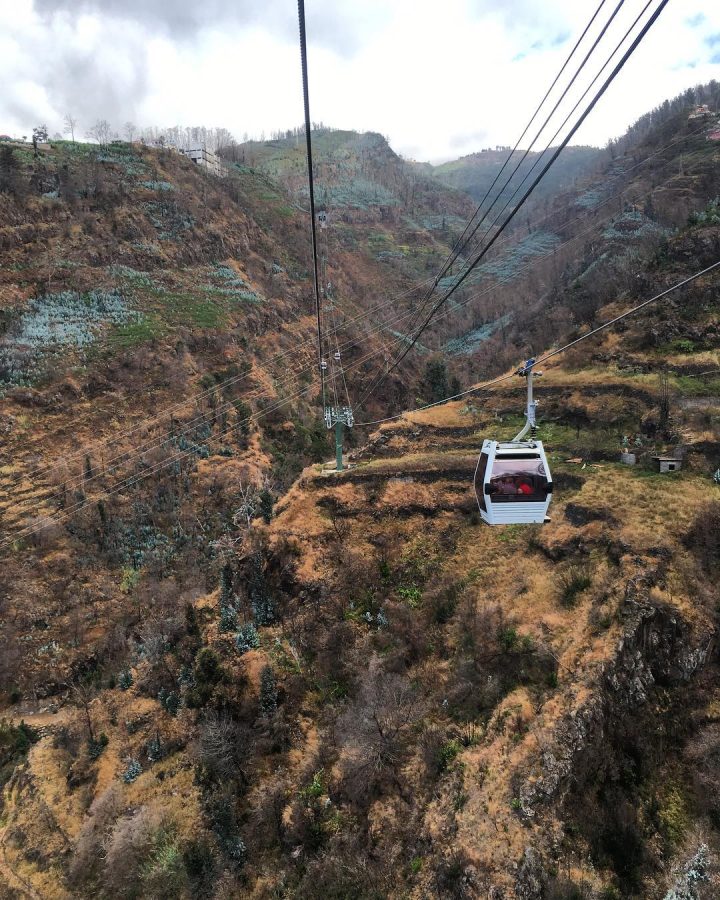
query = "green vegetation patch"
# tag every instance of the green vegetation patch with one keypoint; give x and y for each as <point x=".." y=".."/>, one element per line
<point x="53" y="323"/>
<point x="146" y="329"/>
<point x="15" y="741"/>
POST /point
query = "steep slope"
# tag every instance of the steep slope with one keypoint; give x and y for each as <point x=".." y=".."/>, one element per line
<point x="360" y="692"/>
<point x="570" y="254"/>
<point x="424" y="706"/>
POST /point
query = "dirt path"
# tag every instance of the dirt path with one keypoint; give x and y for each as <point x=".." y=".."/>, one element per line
<point x="44" y="720"/>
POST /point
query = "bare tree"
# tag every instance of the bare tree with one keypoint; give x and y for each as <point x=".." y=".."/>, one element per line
<point x="83" y="695"/>
<point x="100" y="132"/>
<point x="375" y="732"/>
<point x="130" y="131"/>
<point x="245" y="512"/>
<point x="70" y="122"/>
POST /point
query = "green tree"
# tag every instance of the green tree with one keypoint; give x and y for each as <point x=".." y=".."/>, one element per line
<point x="263" y="607"/>
<point x="266" y="505"/>
<point x="268" y="692"/>
<point x="435" y="383"/>
<point x="228" y="611"/>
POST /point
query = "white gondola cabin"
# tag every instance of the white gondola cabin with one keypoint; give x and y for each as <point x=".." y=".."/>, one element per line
<point x="513" y="483"/>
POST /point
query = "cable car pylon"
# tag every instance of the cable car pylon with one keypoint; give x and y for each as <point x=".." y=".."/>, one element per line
<point x="526" y="371"/>
<point x="337" y="415"/>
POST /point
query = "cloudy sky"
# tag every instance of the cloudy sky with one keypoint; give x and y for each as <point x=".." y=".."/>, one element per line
<point x="439" y="79"/>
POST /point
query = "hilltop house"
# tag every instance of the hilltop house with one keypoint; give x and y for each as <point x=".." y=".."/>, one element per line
<point x="700" y="112"/>
<point x="207" y="159"/>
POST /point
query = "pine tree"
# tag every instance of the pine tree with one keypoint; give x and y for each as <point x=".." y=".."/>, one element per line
<point x="262" y="604"/>
<point x="268" y="692"/>
<point x="436" y="380"/>
<point x="247" y="638"/>
<point x="228" y="611"/>
<point x="266" y="505"/>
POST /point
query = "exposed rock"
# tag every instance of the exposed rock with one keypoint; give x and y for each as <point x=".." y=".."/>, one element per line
<point x="657" y="647"/>
<point x="530" y="877"/>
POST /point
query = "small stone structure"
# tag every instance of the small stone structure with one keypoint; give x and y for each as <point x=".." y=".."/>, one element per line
<point x="628" y="459"/>
<point x="667" y="463"/>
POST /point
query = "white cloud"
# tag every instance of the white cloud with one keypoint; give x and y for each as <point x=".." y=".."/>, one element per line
<point x="438" y="81"/>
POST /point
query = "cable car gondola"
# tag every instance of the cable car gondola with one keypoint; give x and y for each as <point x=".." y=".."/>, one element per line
<point x="512" y="481"/>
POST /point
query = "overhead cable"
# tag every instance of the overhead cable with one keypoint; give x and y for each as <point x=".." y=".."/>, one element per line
<point x="541" y="359"/>
<point x="628" y="53"/>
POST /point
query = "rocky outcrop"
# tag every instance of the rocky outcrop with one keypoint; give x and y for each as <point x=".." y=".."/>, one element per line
<point x="657" y="647"/>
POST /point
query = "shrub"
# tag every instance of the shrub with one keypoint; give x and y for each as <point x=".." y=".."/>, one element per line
<point x="96" y="747"/>
<point x="154" y="749"/>
<point x="412" y="594"/>
<point x="133" y="771"/>
<point x="448" y="752"/>
<point x="170" y="701"/>
<point x="508" y="639"/>
<point x="163" y="875"/>
<point x="15" y="741"/>
<point x="199" y="864"/>
<point x="247" y="638"/>
<point x="88" y="852"/>
<point x="315" y="789"/>
<point x="708" y="216"/>
<point x="125" y="680"/>
<point x="683" y="345"/>
<point x="129" y="849"/>
<point x="572" y="583"/>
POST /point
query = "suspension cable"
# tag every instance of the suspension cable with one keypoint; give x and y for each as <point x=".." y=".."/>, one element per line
<point x="311" y="187"/>
<point x="463" y="243"/>
<point x="626" y="56"/>
<point x="459" y="244"/>
<point x="560" y="127"/>
<point x="132" y="480"/>
<point x="481" y="387"/>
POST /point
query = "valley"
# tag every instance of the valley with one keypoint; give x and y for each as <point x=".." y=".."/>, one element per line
<point x="227" y="670"/>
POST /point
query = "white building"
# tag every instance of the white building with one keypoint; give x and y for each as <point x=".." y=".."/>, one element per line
<point x="207" y="159"/>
